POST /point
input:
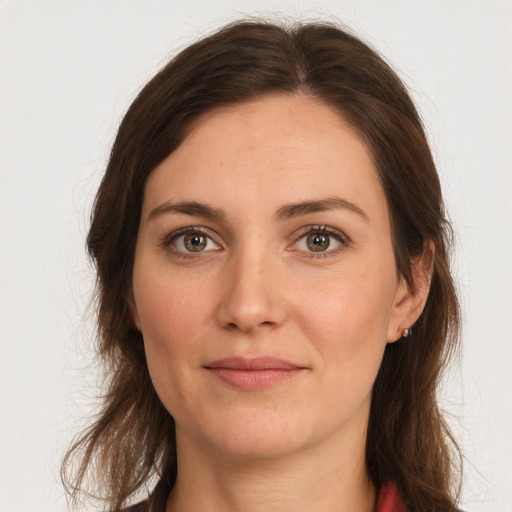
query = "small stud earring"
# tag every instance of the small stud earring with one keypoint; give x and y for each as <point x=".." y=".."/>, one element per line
<point x="405" y="333"/>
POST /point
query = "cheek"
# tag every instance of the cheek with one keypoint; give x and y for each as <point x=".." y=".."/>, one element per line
<point x="346" y="318"/>
<point x="348" y="330"/>
<point x="171" y="316"/>
<point x="168" y="303"/>
<point x="171" y="327"/>
<point x="351" y="307"/>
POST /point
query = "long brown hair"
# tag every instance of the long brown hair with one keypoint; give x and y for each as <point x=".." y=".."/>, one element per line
<point x="408" y="442"/>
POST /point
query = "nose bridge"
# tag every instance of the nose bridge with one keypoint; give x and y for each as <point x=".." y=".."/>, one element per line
<point x="250" y="294"/>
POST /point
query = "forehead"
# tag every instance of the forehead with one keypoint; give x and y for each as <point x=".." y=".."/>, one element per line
<point x="267" y="152"/>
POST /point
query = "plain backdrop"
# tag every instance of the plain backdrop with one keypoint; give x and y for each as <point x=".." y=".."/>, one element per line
<point x="68" y="71"/>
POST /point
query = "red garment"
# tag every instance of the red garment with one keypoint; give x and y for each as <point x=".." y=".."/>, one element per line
<point x="389" y="500"/>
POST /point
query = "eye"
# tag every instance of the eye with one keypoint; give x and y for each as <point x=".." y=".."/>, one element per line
<point x="190" y="240"/>
<point x="320" y="240"/>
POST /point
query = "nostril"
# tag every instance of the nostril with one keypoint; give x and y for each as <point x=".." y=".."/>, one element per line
<point x="234" y="325"/>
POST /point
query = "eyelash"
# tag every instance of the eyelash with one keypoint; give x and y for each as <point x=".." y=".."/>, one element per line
<point x="339" y="236"/>
<point x="170" y="239"/>
<point x="344" y="241"/>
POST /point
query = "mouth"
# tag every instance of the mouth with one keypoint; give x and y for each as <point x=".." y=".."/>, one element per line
<point x="252" y="374"/>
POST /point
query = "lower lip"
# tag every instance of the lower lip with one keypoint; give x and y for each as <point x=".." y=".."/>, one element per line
<point x="253" y="380"/>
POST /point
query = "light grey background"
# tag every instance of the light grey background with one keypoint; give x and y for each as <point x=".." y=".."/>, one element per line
<point x="68" y="71"/>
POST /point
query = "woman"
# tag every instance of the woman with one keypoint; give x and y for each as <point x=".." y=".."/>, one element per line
<point x="269" y="228"/>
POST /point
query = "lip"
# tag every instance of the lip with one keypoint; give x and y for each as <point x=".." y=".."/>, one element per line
<point x="252" y="374"/>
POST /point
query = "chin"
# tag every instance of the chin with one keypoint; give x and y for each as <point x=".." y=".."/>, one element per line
<point x="260" y="436"/>
<point x="258" y="448"/>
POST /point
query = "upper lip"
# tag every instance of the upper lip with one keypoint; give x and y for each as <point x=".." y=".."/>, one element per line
<point x="253" y="363"/>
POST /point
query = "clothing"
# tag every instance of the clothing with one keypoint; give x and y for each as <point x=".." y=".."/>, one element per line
<point x="389" y="500"/>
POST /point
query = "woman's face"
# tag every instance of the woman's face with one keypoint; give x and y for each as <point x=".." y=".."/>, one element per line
<point x="264" y="281"/>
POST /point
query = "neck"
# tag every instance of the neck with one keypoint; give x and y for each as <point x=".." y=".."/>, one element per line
<point x="328" y="478"/>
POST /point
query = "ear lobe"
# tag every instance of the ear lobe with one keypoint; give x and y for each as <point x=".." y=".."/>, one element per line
<point x="411" y="298"/>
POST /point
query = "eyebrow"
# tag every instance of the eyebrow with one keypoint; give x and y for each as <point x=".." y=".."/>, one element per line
<point x="288" y="211"/>
<point x="188" y="208"/>
<point x="292" y="210"/>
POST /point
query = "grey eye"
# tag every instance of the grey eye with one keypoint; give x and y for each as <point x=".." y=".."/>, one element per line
<point x="319" y="241"/>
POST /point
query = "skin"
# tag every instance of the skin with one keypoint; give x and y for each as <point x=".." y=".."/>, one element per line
<point x="257" y="289"/>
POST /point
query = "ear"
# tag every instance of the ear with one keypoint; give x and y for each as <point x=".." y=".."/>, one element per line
<point x="411" y="299"/>
<point x="134" y="312"/>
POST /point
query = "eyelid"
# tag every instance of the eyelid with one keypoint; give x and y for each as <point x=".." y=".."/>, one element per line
<point x="168" y="239"/>
<point x="340" y="236"/>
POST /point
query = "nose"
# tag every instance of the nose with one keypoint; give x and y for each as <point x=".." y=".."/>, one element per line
<point x="252" y="295"/>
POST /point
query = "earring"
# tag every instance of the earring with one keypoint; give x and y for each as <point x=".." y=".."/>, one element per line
<point x="406" y="332"/>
